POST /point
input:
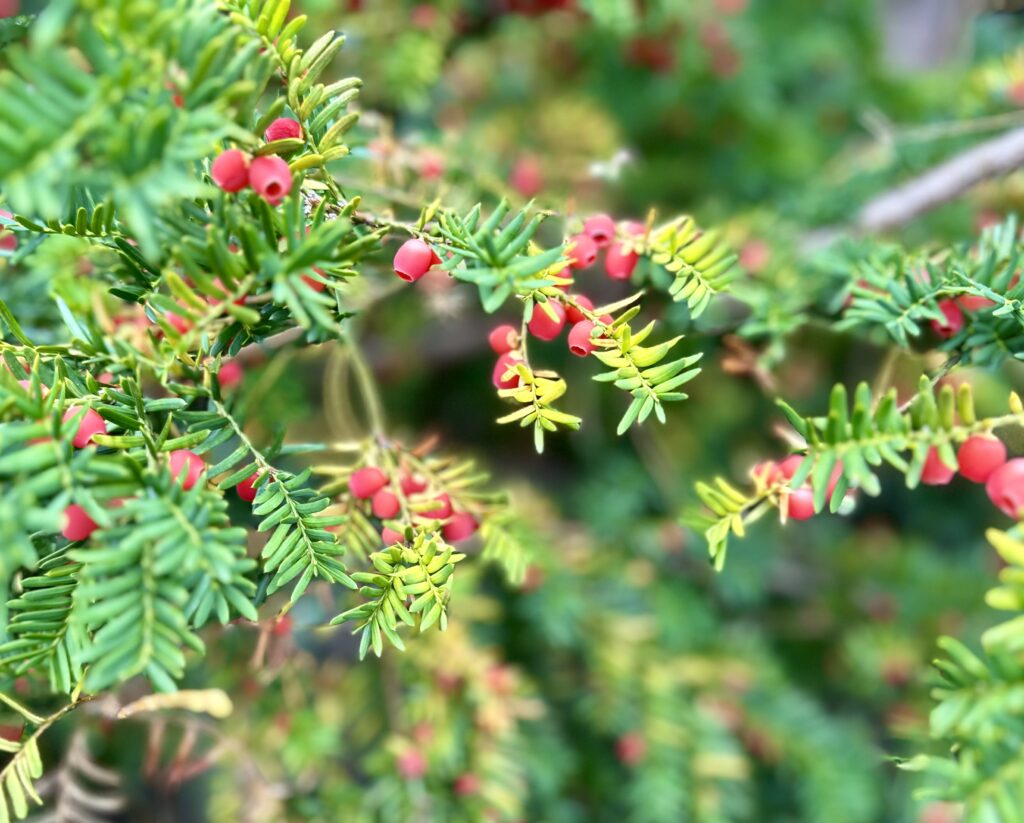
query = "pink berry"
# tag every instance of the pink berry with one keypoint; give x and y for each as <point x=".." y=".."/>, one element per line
<point x="527" y="176"/>
<point x="788" y="467"/>
<point x="385" y="505"/>
<point x="505" y="365"/>
<point x="414" y="259"/>
<point x="443" y="510"/>
<point x="186" y="467"/>
<point x="8" y="240"/>
<point x="77" y="524"/>
<point x="411" y="485"/>
<point x="282" y="129"/>
<point x="979" y="456"/>
<point x="230" y="374"/>
<point x="411" y="765"/>
<point x="543" y="326"/>
<point x="953" y="323"/>
<point x="503" y="339"/>
<point x="460" y="527"/>
<point x="583" y="252"/>
<point x="580" y="342"/>
<point x="573" y="314"/>
<point x="270" y="178"/>
<point x="391" y="537"/>
<point x="935" y="472"/>
<point x="600" y="228"/>
<point x="247" y="488"/>
<point x="182" y="325"/>
<point x="619" y="263"/>
<point x="230" y="170"/>
<point x="1005" y="487"/>
<point x="366" y="482"/>
<point x="801" y="504"/>
<point x="466" y="785"/>
<point x="91" y="424"/>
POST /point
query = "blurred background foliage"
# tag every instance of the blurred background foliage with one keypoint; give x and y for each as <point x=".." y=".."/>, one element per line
<point x="624" y="680"/>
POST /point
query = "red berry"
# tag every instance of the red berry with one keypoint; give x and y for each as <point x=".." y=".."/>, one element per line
<point x="504" y="367"/>
<point x="1005" y="487"/>
<point x="230" y="374"/>
<point x="230" y="170"/>
<point x="247" y="488"/>
<point x="283" y="626"/>
<point x="414" y="259"/>
<point x="411" y="485"/>
<point x="270" y="178"/>
<point x="583" y="253"/>
<point x="443" y="510"/>
<point x="788" y="467"/>
<point x="91" y="424"/>
<point x="503" y="339"/>
<point x="180" y="324"/>
<point x="979" y="456"/>
<point x="767" y="472"/>
<point x="527" y="176"/>
<point x="580" y="342"/>
<point x="186" y="467"/>
<point x="431" y="164"/>
<point x="573" y="314"/>
<point x="619" y="263"/>
<point x="282" y="129"/>
<point x="974" y="302"/>
<point x="801" y="504"/>
<point x="467" y="784"/>
<point x="935" y="472"/>
<point x="391" y="537"/>
<point x="754" y="255"/>
<point x="8" y="241"/>
<point x="411" y="764"/>
<point x="366" y="482"/>
<point x="631" y="748"/>
<point x="312" y="282"/>
<point x="600" y="228"/>
<point x="953" y="323"/>
<point x="77" y="524"/>
<point x="461" y="527"/>
<point x="542" y="325"/>
<point x="385" y="505"/>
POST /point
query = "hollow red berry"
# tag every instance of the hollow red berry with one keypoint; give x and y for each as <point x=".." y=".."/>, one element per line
<point x="270" y="178"/>
<point x="461" y="526"/>
<point x="503" y="339"/>
<point x="366" y="482"/>
<point x="91" y="424"/>
<point x="600" y="228"/>
<point x="583" y="253"/>
<point x="801" y="504"/>
<point x="443" y="510"/>
<point x="580" y="342"/>
<point x="230" y="170"/>
<point x="247" y="488"/>
<point x="414" y="259"/>
<point x="935" y="472"/>
<point x="954" y="320"/>
<point x="979" y="456"/>
<point x="619" y="263"/>
<point x="391" y="537"/>
<point x="573" y="314"/>
<point x="77" y="524"/>
<point x="1005" y="487"/>
<point x="385" y="505"/>
<point x="542" y="325"/>
<point x="410" y="484"/>
<point x="504" y="375"/>
<point x="283" y="128"/>
<point x="186" y="467"/>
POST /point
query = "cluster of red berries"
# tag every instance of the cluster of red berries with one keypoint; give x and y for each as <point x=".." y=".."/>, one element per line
<point x="372" y="484"/>
<point x="268" y="176"/>
<point x="800" y="502"/>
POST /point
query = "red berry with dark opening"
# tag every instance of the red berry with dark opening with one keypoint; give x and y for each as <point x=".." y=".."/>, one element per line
<point x="461" y="526"/>
<point x="385" y="505"/>
<point x="573" y="314"/>
<point x="270" y="178"/>
<point x="542" y="325"/>
<point x="600" y="228"/>
<point x="414" y="259"/>
<point x="443" y="510"/>
<point x="619" y="263"/>
<point x="979" y="456"/>
<point x="583" y="253"/>
<point x="247" y="488"/>
<point x="186" y="467"/>
<point x="801" y="504"/>
<point x="391" y="537"/>
<point x="935" y="472"/>
<point x="504" y="375"/>
<point x="77" y="524"/>
<point x="366" y="482"/>
<point x="503" y="339"/>
<point x="91" y="424"/>
<point x="954" y="320"/>
<point x="1005" y="487"/>
<point x="580" y="342"/>
<point x="230" y="170"/>
<point x="283" y="128"/>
